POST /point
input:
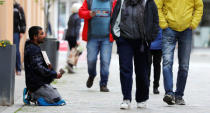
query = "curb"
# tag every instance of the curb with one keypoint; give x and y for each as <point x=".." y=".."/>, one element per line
<point x="14" y="107"/>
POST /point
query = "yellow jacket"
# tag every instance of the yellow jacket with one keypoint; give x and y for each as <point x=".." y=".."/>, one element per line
<point x="179" y="14"/>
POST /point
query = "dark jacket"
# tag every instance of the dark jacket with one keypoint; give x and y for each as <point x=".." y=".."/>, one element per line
<point x="130" y="20"/>
<point x="36" y="70"/>
<point x="151" y="21"/>
<point x="72" y="33"/>
<point x="19" y="19"/>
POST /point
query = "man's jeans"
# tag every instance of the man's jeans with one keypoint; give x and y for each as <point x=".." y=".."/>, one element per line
<point x="104" y="46"/>
<point x="16" y="41"/>
<point x="184" y="38"/>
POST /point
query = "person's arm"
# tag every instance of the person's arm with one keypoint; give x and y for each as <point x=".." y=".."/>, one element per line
<point x="114" y="17"/>
<point x="113" y="5"/>
<point x="155" y="27"/>
<point x="198" y="12"/>
<point x="38" y="67"/>
<point x="22" y="19"/>
<point x="162" y="20"/>
<point x="84" y="12"/>
<point x="78" y="26"/>
<point x="69" y="21"/>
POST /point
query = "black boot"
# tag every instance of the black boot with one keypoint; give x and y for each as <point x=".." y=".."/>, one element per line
<point x="156" y="91"/>
<point x="89" y="82"/>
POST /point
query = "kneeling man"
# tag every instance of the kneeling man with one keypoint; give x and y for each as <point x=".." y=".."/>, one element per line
<point x="38" y="73"/>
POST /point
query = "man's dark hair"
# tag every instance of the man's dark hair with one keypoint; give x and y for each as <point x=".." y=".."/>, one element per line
<point x="34" y="31"/>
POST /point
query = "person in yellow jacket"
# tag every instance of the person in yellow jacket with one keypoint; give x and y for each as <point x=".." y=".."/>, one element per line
<point x="177" y="18"/>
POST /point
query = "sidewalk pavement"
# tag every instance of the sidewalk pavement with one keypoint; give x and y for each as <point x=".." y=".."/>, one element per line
<point x="80" y="99"/>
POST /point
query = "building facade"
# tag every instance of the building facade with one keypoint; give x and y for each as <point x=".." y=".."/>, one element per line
<point x="59" y="15"/>
<point x="201" y="36"/>
<point x="34" y="14"/>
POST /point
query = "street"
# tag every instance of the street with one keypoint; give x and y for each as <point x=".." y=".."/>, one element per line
<point x="80" y="99"/>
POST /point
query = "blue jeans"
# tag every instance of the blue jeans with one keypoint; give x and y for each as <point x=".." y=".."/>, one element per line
<point x="104" y="46"/>
<point x="129" y="52"/>
<point x="16" y="41"/>
<point x="184" y="39"/>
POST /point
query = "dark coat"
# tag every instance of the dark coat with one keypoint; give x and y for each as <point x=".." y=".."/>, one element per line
<point x="19" y="19"/>
<point x="151" y="20"/>
<point x="131" y="20"/>
<point x="72" y="33"/>
<point x="36" y="70"/>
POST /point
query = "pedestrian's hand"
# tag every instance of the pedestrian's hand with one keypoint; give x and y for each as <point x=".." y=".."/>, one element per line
<point x="21" y="35"/>
<point x="78" y="43"/>
<point x="49" y="66"/>
<point x="190" y="27"/>
<point x="59" y="76"/>
<point x="61" y="71"/>
<point x="92" y="13"/>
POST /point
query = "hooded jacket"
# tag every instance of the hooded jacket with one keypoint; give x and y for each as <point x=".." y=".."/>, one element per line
<point x="180" y="14"/>
<point x="151" y="21"/>
<point x="131" y="24"/>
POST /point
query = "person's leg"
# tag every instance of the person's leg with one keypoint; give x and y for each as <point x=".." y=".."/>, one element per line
<point x="16" y="41"/>
<point x="92" y="53"/>
<point x="184" y="50"/>
<point x="125" y="52"/>
<point x="69" y="64"/>
<point x="105" y="58"/>
<point x="168" y="46"/>
<point x="142" y="82"/>
<point x="150" y="56"/>
<point x="48" y="93"/>
<point x="157" y="67"/>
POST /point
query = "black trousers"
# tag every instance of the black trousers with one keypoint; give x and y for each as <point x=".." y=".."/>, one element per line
<point x="72" y="41"/>
<point x="129" y="53"/>
<point x="155" y="58"/>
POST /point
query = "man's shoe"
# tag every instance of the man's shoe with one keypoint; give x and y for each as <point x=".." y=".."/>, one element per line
<point x="26" y="98"/>
<point x="169" y="99"/>
<point x="89" y="82"/>
<point x="125" y="104"/>
<point x="142" y="104"/>
<point x="156" y="91"/>
<point x="179" y="101"/>
<point x="104" y="89"/>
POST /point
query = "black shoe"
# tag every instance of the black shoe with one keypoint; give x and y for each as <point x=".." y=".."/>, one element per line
<point x="89" y="82"/>
<point x="179" y="101"/>
<point x="156" y="91"/>
<point x="104" y="89"/>
<point x="169" y="99"/>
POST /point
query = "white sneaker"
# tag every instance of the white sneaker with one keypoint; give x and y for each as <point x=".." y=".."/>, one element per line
<point x="142" y="104"/>
<point x="125" y="104"/>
